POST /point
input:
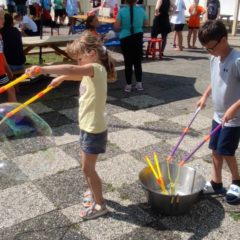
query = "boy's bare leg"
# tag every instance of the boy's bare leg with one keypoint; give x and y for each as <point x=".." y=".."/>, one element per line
<point x="217" y="161"/>
<point x="232" y="164"/>
<point x="93" y="180"/>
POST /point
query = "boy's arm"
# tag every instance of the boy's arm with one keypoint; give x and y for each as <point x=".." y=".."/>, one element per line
<point x="231" y="112"/>
<point x="202" y="101"/>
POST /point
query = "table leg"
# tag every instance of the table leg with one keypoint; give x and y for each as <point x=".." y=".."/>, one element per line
<point x="60" y="51"/>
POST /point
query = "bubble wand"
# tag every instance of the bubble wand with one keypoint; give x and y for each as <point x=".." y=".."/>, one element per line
<point x="158" y="178"/>
<point x="25" y="104"/>
<point x="170" y="157"/>
<point x="205" y="139"/>
<point x="37" y="70"/>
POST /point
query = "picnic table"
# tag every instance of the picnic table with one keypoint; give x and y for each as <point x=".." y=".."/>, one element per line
<point x="53" y="42"/>
<point x="82" y="17"/>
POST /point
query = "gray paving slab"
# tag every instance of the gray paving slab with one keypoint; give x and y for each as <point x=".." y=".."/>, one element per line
<point x="130" y="139"/>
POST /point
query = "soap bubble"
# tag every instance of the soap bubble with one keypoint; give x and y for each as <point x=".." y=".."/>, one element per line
<point x="23" y="133"/>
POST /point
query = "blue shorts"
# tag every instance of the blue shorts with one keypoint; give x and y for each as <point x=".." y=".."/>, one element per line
<point x="225" y="141"/>
<point x="93" y="143"/>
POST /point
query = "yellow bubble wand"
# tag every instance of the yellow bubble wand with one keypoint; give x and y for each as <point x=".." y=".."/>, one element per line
<point x="157" y="174"/>
<point x="25" y="104"/>
<point x="37" y="70"/>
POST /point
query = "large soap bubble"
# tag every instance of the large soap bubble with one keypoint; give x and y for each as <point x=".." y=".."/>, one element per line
<point x="23" y="133"/>
<point x="24" y="123"/>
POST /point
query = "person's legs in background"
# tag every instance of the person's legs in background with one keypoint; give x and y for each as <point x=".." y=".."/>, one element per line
<point x="164" y="42"/>
<point x="190" y="32"/>
<point x="126" y="48"/>
<point x="137" y="62"/>
<point x="195" y="31"/>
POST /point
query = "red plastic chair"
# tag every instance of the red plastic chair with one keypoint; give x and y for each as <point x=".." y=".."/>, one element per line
<point x="154" y="46"/>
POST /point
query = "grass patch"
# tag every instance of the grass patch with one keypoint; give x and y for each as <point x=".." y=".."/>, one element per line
<point x="76" y="227"/>
<point x="47" y="58"/>
<point x="110" y="187"/>
<point x="235" y="216"/>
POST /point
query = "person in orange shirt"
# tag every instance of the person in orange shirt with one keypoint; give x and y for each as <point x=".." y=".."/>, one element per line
<point x="194" y="22"/>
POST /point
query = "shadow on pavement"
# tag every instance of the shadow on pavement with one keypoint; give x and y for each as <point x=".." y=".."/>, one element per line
<point x="205" y="216"/>
<point x="158" y="89"/>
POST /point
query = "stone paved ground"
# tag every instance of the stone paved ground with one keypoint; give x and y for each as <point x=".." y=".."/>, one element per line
<point x="42" y="185"/>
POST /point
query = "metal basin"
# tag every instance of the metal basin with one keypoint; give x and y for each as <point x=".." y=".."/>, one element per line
<point x="187" y="189"/>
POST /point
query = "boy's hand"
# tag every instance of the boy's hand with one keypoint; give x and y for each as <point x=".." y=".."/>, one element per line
<point x="230" y="114"/>
<point x="57" y="81"/>
<point x="202" y="102"/>
<point x="33" y="71"/>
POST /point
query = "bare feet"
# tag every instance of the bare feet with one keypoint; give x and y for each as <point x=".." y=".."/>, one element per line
<point x="178" y="49"/>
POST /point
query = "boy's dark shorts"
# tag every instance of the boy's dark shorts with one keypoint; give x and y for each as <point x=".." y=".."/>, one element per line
<point x="4" y="80"/>
<point x="178" y="27"/>
<point x="93" y="143"/>
<point x="225" y="141"/>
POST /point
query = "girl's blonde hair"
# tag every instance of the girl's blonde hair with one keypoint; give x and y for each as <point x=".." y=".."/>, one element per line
<point x="87" y="43"/>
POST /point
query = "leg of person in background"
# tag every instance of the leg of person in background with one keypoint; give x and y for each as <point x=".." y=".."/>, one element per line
<point x="190" y="32"/>
<point x="71" y="23"/>
<point x="164" y="42"/>
<point x="137" y="62"/>
<point x="174" y="40"/>
<point x="195" y="31"/>
<point x="11" y="93"/>
<point x="126" y="48"/>
<point x="179" y="38"/>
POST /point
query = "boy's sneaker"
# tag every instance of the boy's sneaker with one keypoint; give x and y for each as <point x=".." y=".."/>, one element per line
<point x="233" y="194"/>
<point x="139" y="86"/>
<point x="209" y="190"/>
<point x="128" y="88"/>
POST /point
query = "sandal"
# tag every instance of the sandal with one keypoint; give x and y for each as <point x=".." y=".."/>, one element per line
<point x="88" y="199"/>
<point x="208" y="190"/>
<point x="233" y="194"/>
<point x="93" y="212"/>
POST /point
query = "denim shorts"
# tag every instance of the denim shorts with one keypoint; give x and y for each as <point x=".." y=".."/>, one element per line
<point x="225" y="141"/>
<point x="93" y="143"/>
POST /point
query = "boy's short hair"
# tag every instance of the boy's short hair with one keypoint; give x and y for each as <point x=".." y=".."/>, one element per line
<point x="212" y="30"/>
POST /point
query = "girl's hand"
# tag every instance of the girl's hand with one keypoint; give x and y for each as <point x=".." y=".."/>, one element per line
<point x="57" y="81"/>
<point x="202" y="102"/>
<point x="33" y="71"/>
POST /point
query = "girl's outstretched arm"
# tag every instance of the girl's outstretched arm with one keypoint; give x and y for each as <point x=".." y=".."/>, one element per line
<point x="58" y="80"/>
<point x="65" y="69"/>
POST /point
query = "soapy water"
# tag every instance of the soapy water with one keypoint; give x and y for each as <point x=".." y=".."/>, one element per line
<point x="23" y="133"/>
